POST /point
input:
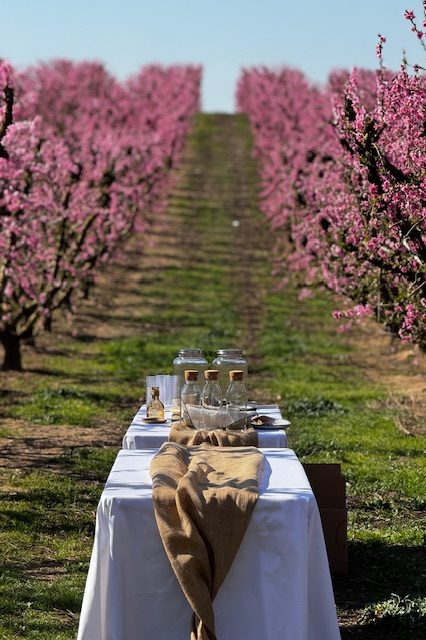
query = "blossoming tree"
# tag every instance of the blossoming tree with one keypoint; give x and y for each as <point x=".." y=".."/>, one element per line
<point x="343" y="173"/>
<point x="83" y="159"/>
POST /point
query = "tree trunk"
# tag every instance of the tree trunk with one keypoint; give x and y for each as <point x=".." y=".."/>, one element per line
<point x="12" y="352"/>
<point x="47" y="323"/>
<point x="28" y="337"/>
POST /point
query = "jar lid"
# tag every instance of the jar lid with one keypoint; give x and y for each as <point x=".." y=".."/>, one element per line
<point x="236" y="375"/>
<point x="230" y="352"/>
<point x="211" y="374"/>
<point x="191" y="351"/>
<point x="191" y="374"/>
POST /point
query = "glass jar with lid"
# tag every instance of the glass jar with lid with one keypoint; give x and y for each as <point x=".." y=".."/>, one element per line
<point x="212" y="394"/>
<point x="189" y="358"/>
<point x="190" y="394"/>
<point x="227" y="360"/>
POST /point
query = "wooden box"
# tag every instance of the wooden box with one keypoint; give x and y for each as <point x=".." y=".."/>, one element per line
<point x="329" y="488"/>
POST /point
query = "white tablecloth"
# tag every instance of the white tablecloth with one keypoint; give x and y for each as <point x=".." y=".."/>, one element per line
<point x="151" y="436"/>
<point x="278" y="587"/>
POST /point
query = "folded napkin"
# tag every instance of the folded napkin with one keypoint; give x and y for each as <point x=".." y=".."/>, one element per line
<point x="181" y="433"/>
<point x="217" y="418"/>
<point x="203" y="499"/>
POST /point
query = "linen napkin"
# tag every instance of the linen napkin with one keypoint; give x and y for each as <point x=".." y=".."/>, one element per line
<point x="217" y="418"/>
<point x="203" y="498"/>
<point x="181" y="433"/>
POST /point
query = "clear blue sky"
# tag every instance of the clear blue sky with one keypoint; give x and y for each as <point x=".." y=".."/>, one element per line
<point x="222" y="35"/>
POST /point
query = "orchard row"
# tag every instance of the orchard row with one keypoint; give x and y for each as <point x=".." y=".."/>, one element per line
<point x="84" y="160"/>
<point x="343" y="183"/>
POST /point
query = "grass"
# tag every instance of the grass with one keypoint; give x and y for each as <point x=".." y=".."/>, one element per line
<point x="298" y="360"/>
<point x="339" y="416"/>
<point x="60" y="406"/>
<point x="46" y="530"/>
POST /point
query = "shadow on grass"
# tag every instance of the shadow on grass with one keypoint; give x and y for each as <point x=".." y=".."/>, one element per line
<point x="10" y="394"/>
<point x="40" y="606"/>
<point x="50" y="373"/>
<point x="54" y="516"/>
<point x="11" y="397"/>
<point x="406" y="627"/>
<point x="386" y="582"/>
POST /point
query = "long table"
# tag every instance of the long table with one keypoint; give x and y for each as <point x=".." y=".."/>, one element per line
<point x="151" y="436"/>
<point x="278" y="588"/>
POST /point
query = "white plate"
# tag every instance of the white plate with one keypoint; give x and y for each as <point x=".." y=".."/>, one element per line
<point x="277" y="424"/>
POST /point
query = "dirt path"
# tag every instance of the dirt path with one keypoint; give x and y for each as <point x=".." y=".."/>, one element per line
<point x="216" y="176"/>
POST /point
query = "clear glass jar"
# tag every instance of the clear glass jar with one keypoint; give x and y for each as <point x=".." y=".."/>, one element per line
<point x="189" y="359"/>
<point x="236" y="394"/>
<point x="190" y="394"/>
<point x="211" y="395"/>
<point x="228" y="360"/>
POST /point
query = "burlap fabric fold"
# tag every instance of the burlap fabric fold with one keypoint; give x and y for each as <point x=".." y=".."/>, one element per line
<point x="182" y="434"/>
<point x="203" y="499"/>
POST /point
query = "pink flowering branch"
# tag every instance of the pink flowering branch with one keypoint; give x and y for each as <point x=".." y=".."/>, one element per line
<point x="421" y="35"/>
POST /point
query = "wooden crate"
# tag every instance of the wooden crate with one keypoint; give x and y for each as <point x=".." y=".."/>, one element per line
<point x="329" y="488"/>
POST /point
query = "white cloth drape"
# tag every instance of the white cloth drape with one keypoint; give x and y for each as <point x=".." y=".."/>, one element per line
<point x="151" y="436"/>
<point x="278" y="587"/>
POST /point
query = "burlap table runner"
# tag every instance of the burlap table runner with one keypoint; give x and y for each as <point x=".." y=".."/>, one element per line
<point x="203" y="499"/>
<point x="181" y="433"/>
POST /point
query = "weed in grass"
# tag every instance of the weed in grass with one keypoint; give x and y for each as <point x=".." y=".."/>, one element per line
<point x="314" y="407"/>
<point x="397" y="609"/>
